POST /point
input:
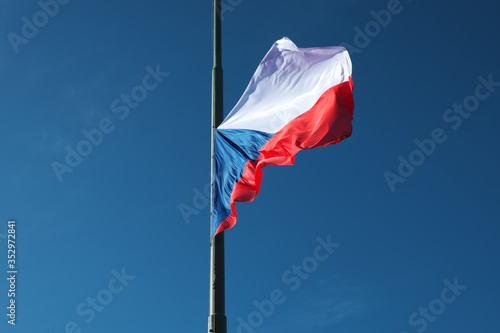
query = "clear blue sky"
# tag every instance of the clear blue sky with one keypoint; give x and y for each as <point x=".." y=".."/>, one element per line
<point x="407" y="241"/>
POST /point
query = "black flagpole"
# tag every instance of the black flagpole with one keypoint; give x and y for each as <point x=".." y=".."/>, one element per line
<point x="217" y="322"/>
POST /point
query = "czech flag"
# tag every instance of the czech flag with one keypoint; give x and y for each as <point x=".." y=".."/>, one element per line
<point x="298" y="98"/>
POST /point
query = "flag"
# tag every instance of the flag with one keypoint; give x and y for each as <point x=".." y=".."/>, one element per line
<point x="298" y="98"/>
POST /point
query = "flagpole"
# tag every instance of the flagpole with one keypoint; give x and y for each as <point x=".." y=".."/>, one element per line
<point x="217" y="322"/>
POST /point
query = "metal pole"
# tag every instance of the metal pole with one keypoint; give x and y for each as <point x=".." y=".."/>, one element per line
<point x="217" y="322"/>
